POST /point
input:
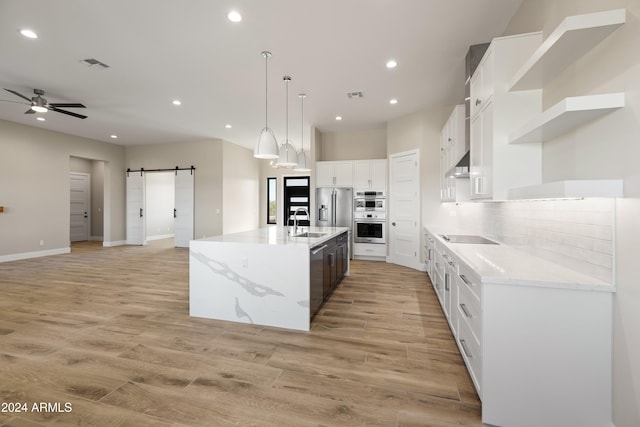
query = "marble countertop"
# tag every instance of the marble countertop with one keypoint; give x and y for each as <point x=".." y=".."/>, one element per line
<point x="503" y="264"/>
<point x="276" y="235"/>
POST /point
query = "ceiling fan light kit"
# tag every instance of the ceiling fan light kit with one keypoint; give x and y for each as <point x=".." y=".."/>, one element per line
<point x="39" y="104"/>
<point x="266" y="146"/>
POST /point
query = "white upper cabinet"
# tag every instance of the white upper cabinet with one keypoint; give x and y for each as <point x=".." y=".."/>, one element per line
<point x="495" y="165"/>
<point x="334" y="174"/>
<point x="370" y="174"/>
<point x="452" y="149"/>
<point x="482" y="83"/>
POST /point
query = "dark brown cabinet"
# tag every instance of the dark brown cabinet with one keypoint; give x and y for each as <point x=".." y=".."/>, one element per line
<point x="336" y="261"/>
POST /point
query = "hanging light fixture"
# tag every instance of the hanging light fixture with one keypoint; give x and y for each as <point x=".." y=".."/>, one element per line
<point x="287" y="154"/>
<point x="304" y="164"/>
<point x="267" y="146"/>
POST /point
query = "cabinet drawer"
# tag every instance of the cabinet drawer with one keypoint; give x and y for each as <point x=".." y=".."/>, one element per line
<point x="469" y="309"/>
<point x="471" y="353"/>
<point x="470" y="278"/>
<point x="369" y="249"/>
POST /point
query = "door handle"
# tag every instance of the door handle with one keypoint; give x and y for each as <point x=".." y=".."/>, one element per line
<point x="393" y="223"/>
<point x="85" y="215"/>
<point x="140" y="212"/>
<point x="175" y="213"/>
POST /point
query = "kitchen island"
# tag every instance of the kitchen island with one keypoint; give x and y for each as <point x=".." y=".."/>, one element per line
<point x="260" y="276"/>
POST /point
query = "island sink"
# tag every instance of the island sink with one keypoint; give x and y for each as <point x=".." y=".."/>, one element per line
<point x="308" y="234"/>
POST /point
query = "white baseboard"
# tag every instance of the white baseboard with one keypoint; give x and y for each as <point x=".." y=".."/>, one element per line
<point x="36" y="254"/>
<point x="96" y="238"/>
<point x="114" y="243"/>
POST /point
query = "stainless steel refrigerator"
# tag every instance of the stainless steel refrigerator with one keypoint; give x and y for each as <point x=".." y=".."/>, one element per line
<point x="334" y="208"/>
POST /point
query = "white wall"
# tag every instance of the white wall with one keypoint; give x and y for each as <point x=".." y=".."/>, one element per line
<point x="354" y="145"/>
<point x="606" y="148"/>
<point x="241" y="189"/>
<point x="206" y="156"/>
<point x="34" y="189"/>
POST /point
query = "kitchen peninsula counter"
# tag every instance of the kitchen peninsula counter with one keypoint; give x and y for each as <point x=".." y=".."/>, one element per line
<point x="259" y="276"/>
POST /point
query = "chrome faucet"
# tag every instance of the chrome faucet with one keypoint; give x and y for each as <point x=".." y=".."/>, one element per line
<point x="295" y="218"/>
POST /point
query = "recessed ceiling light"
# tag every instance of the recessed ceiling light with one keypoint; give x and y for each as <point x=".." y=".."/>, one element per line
<point x="393" y="101"/>
<point x="228" y="126"/>
<point x="234" y="16"/>
<point x="41" y="119"/>
<point x="114" y="136"/>
<point x="29" y="33"/>
<point x="391" y="63"/>
<point x="338" y="118"/>
<point x="177" y="102"/>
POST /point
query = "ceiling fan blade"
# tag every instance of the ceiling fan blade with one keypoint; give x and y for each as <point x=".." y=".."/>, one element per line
<point x="57" y="104"/>
<point x="69" y="113"/>
<point x="29" y="111"/>
<point x="18" y="94"/>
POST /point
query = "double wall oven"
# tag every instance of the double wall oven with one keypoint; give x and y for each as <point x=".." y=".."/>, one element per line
<point x="370" y="217"/>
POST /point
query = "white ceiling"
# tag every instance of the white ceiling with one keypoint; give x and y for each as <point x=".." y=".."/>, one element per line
<point x="161" y="50"/>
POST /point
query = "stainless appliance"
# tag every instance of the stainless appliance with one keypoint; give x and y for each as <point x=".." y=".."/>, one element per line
<point x="370" y="201"/>
<point x="335" y="208"/>
<point x="369" y="227"/>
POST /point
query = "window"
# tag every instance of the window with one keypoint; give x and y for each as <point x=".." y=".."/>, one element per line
<point x="296" y="195"/>
<point x="272" y="186"/>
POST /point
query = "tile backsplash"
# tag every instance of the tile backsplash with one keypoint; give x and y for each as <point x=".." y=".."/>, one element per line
<point x="578" y="234"/>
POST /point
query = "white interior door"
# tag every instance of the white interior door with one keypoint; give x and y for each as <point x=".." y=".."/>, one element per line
<point x="404" y="209"/>
<point x="183" y="212"/>
<point x="135" y="209"/>
<point x="79" y="184"/>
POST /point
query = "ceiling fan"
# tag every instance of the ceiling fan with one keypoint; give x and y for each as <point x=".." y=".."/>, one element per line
<point x="39" y="104"/>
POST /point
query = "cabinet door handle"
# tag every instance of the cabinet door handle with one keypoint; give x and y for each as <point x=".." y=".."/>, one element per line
<point x="478" y="102"/>
<point x="463" y="307"/>
<point x="140" y="212"/>
<point x="175" y="213"/>
<point x="446" y="281"/>
<point x="465" y="349"/>
<point x="315" y="251"/>
<point x="465" y="280"/>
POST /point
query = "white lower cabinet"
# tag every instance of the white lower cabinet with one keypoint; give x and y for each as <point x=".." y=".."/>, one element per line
<point x="369" y="250"/>
<point x="538" y="355"/>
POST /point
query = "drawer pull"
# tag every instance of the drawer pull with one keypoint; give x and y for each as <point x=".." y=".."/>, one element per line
<point x="463" y="307"/>
<point x="465" y="349"/>
<point x="446" y="282"/>
<point x="465" y="280"/>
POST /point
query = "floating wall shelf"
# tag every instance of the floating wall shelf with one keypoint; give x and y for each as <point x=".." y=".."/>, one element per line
<point x="575" y="36"/>
<point x="568" y="114"/>
<point x="571" y="189"/>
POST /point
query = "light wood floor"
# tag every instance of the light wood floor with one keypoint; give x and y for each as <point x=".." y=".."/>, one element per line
<point x="107" y="330"/>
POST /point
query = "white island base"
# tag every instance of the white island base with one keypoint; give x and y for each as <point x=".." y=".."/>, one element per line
<point x="259" y="277"/>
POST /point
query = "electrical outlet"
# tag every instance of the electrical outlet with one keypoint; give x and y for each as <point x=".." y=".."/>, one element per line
<point x="41" y="242"/>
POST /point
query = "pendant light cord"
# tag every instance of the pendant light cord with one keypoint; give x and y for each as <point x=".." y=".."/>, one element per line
<point x="286" y="121"/>
<point x="302" y="95"/>
<point x="266" y="86"/>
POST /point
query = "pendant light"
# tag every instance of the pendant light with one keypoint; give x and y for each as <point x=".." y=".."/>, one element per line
<point x="287" y="154"/>
<point x="267" y="146"/>
<point x="303" y="157"/>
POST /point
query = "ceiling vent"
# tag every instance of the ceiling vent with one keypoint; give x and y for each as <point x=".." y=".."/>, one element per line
<point x="94" y="63"/>
<point x="354" y="95"/>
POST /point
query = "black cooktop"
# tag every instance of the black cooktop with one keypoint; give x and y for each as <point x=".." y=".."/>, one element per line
<point x="467" y="238"/>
